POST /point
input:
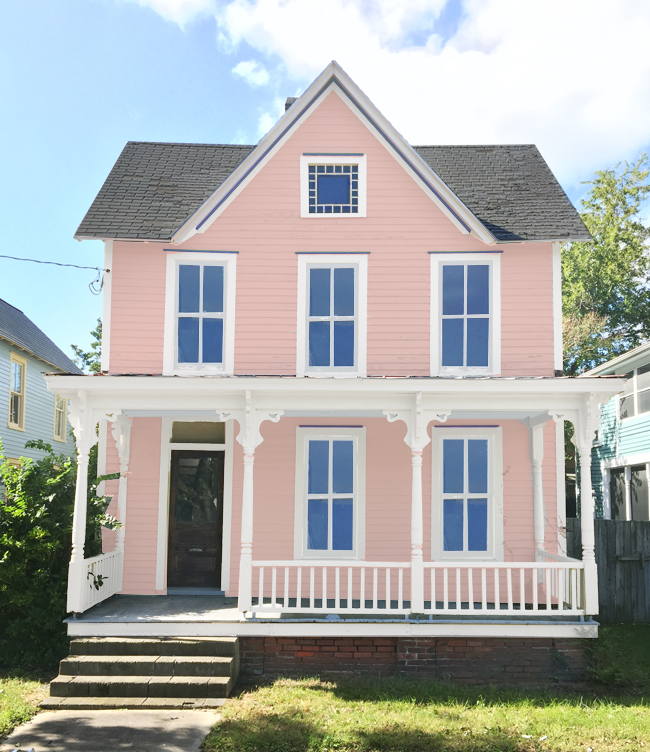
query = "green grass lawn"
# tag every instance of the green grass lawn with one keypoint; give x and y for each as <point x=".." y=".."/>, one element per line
<point x="609" y="714"/>
<point x="19" y="699"/>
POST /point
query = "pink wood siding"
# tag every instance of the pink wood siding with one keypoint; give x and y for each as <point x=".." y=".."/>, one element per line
<point x="264" y="225"/>
<point x="110" y="489"/>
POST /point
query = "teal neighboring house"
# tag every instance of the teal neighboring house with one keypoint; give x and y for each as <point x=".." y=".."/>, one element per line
<point x="621" y="454"/>
<point x="27" y="409"/>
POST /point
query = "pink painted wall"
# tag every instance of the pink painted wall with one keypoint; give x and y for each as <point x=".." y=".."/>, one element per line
<point x="264" y="225"/>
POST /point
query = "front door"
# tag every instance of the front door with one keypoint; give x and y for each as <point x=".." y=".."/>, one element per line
<point x="195" y="519"/>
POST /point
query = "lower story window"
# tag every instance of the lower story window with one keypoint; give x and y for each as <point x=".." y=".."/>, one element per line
<point x="629" y="493"/>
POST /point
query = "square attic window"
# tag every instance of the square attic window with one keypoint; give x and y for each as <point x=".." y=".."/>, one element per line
<point x="333" y="189"/>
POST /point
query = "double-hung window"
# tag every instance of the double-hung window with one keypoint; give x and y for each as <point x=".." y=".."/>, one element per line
<point x="17" y="373"/>
<point x="466" y="494"/>
<point x="199" y="326"/>
<point x="329" y="492"/>
<point x="465" y="315"/>
<point x="60" y="418"/>
<point x="635" y="399"/>
<point x="332" y="315"/>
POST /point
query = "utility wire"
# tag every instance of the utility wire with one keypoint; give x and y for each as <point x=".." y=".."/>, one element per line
<point x="95" y="286"/>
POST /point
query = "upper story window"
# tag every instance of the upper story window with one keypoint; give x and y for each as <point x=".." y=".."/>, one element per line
<point x="17" y="376"/>
<point x="332" y="314"/>
<point x="465" y="313"/>
<point x="635" y="399"/>
<point x="199" y="313"/>
<point x="333" y="185"/>
<point x="60" y="417"/>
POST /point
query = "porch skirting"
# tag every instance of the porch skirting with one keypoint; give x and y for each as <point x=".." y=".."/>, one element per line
<point x="467" y="661"/>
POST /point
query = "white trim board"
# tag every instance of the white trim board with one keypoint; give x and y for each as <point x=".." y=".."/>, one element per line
<point x="558" y="349"/>
<point x="107" y="293"/>
<point x="633" y="459"/>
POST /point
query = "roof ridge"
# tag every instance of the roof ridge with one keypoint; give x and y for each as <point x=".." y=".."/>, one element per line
<point x="189" y="143"/>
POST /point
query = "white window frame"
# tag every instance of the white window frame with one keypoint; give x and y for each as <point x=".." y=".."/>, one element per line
<point x="494" y="351"/>
<point x="303" y="436"/>
<point x="307" y="261"/>
<point x="18" y="360"/>
<point x="635" y="395"/>
<point x="494" y="435"/>
<point x="171" y="367"/>
<point x="61" y="407"/>
<point x="344" y="159"/>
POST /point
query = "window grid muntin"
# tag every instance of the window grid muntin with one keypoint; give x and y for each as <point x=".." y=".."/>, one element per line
<point x="465" y="316"/>
<point x="330" y="496"/>
<point x="633" y="393"/>
<point x="333" y="318"/>
<point x="201" y="316"/>
<point x="316" y="169"/>
<point x="466" y="495"/>
<point x="16" y="417"/>
<point x="60" y="417"/>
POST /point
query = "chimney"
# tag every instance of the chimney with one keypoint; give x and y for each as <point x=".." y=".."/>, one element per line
<point x="289" y="102"/>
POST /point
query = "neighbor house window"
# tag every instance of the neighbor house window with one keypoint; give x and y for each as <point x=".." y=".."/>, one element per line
<point x="17" y="374"/>
<point x="60" y="418"/>
<point x="465" y="323"/>
<point x="628" y="492"/>
<point x="332" y="330"/>
<point x="635" y="399"/>
<point x="199" y="317"/>
<point x="467" y="500"/>
<point x="333" y="185"/>
<point x="329" y="490"/>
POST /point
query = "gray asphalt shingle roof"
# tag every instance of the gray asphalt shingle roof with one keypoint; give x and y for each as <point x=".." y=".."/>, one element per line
<point x="155" y="187"/>
<point x="16" y="328"/>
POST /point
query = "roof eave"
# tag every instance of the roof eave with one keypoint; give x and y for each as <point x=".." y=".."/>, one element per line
<point x="34" y="354"/>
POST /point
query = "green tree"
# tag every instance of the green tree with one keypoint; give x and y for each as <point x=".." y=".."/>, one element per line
<point x="606" y="296"/>
<point x="90" y="361"/>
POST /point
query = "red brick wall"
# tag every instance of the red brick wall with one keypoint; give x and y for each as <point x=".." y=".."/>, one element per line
<point x="470" y="661"/>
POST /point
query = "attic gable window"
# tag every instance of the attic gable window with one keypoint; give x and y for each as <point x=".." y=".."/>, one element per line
<point x="333" y="185"/>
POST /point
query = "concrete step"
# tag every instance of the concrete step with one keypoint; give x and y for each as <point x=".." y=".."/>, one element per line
<point x="132" y="703"/>
<point x="146" y="665"/>
<point x="173" y="646"/>
<point x="141" y="686"/>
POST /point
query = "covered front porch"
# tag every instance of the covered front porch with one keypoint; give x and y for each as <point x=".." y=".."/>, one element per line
<point x="541" y="593"/>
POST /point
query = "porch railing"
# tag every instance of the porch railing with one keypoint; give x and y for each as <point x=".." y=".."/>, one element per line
<point x="553" y="586"/>
<point x="96" y="580"/>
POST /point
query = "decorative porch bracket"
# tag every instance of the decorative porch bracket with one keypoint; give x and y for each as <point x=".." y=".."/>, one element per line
<point x="250" y="419"/>
<point x="586" y="421"/>
<point x="417" y="437"/>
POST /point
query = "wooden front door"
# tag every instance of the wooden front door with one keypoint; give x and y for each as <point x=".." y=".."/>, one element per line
<point x="195" y="519"/>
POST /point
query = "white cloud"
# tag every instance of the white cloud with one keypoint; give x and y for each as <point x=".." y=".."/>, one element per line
<point x="254" y="73"/>
<point x="572" y="77"/>
<point x="179" y="11"/>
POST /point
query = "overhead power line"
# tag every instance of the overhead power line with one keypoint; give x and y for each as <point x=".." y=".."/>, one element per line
<point x="95" y="286"/>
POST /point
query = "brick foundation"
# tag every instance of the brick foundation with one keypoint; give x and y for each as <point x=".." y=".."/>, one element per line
<point x="469" y="661"/>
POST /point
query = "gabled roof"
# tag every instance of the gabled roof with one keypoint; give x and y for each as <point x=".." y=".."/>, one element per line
<point x="17" y="329"/>
<point x="172" y="191"/>
<point x="635" y="358"/>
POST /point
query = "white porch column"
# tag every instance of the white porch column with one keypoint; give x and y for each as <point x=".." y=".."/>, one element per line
<point x="250" y="420"/>
<point x="122" y="434"/>
<point x="83" y="428"/>
<point x="628" y="492"/>
<point x="536" y="431"/>
<point x="417" y="438"/>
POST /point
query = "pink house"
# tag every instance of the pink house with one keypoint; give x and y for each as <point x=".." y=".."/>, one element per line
<point x="331" y="382"/>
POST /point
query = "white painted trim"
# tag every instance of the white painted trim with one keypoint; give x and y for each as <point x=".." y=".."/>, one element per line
<point x="229" y="261"/>
<point x="494" y="259"/>
<point x="107" y="293"/>
<point x="227" y="506"/>
<point x="102" y="436"/>
<point x="22" y="362"/>
<point x="560" y="471"/>
<point x="305" y="161"/>
<point x="558" y="345"/>
<point x="495" y="483"/>
<point x="632" y="459"/>
<point x="305" y="260"/>
<point x="345" y="628"/>
<point x="300" y="552"/>
<point x="163" y="504"/>
<point x="181" y="447"/>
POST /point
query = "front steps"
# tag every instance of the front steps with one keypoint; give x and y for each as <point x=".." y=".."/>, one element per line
<point x="122" y="672"/>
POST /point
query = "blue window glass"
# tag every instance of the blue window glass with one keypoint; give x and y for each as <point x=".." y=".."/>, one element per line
<point x="453" y="466"/>
<point x="318" y="467"/>
<point x="213" y="289"/>
<point x="319" y="343"/>
<point x="317" y="524"/>
<point x="212" y="340"/>
<point x="189" y="282"/>
<point x="343" y="466"/>
<point x="319" y="292"/>
<point x="478" y="336"/>
<point x="452" y="342"/>
<point x="343" y="292"/>
<point x="453" y="290"/>
<point x="188" y="340"/>
<point x="333" y="189"/>
<point x="342" y="525"/>
<point x="477" y="524"/>
<point x="477" y="465"/>
<point x="478" y="289"/>
<point x="343" y="343"/>
<point x="452" y="525"/>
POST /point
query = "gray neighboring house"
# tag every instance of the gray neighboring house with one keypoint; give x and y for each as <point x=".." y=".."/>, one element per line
<point x="29" y="410"/>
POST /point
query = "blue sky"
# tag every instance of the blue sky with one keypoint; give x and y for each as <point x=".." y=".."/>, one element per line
<point x="79" y="78"/>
